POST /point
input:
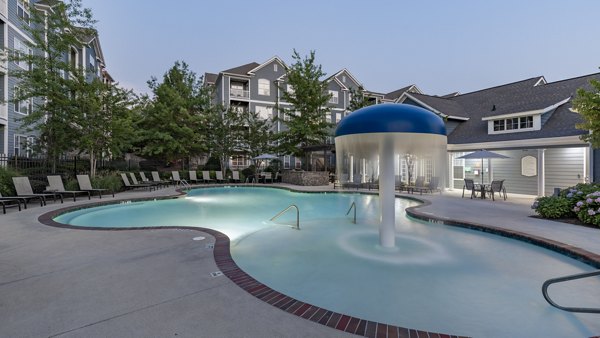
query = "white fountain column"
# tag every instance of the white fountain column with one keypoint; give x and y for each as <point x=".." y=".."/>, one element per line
<point x="387" y="232"/>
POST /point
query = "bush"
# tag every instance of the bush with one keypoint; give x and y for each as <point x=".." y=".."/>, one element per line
<point x="588" y="209"/>
<point x="553" y="207"/>
<point x="7" y="188"/>
<point x="249" y="171"/>
<point x="213" y="164"/>
<point x="111" y="182"/>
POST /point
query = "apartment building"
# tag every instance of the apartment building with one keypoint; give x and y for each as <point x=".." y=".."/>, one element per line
<point x="258" y="87"/>
<point x="14" y="15"/>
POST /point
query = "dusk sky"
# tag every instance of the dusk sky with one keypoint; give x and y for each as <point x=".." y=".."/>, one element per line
<point x="441" y="46"/>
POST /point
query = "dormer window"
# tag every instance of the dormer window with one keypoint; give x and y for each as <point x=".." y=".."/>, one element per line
<point x="513" y="124"/>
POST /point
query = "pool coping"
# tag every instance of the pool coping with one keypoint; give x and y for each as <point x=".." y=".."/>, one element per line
<point x="338" y="321"/>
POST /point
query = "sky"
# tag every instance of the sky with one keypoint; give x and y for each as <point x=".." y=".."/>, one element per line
<point x="440" y="46"/>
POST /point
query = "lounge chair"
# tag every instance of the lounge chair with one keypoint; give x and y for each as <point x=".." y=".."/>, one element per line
<point x="219" y="175"/>
<point x="432" y="186"/>
<point x="178" y="180"/>
<point x="235" y="176"/>
<point x="86" y="185"/>
<point x="418" y="186"/>
<point x="267" y="176"/>
<point x="193" y="176"/>
<point x="469" y="185"/>
<point x="497" y="187"/>
<point x="129" y="185"/>
<point x="156" y="179"/>
<point x="55" y="185"/>
<point x="23" y="188"/>
<point x="206" y="176"/>
<point x="134" y="182"/>
<point x="6" y="201"/>
<point x="147" y="181"/>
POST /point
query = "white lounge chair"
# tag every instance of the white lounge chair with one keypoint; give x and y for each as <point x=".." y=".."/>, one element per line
<point x="193" y="176"/>
<point x="177" y="180"/>
<point x="206" y="176"/>
<point x="156" y="179"/>
<point x="219" y="174"/>
<point x="235" y="176"/>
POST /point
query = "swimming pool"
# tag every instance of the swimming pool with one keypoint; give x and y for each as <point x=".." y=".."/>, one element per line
<point x="440" y="278"/>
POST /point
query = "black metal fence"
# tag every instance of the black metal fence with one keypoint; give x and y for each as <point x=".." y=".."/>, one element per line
<point x="66" y="166"/>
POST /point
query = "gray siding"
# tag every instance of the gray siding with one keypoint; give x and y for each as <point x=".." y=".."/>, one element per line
<point x="564" y="168"/>
<point x="509" y="169"/>
<point x="450" y="126"/>
<point x="267" y="72"/>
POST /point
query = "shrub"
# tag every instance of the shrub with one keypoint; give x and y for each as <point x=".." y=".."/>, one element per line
<point x="553" y="207"/>
<point x="249" y="171"/>
<point x="7" y="188"/>
<point x="111" y="182"/>
<point x="588" y="209"/>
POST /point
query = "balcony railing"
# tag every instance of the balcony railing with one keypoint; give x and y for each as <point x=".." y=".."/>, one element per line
<point x="3" y="111"/>
<point x="234" y="92"/>
<point x="333" y="100"/>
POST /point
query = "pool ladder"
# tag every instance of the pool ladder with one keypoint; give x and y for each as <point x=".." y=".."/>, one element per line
<point x="286" y="209"/>
<point x="566" y="279"/>
<point x="353" y="205"/>
<point x="183" y="183"/>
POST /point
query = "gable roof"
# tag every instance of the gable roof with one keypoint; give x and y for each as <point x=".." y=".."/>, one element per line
<point x="349" y="75"/>
<point x="210" y="78"/>
<point x="243" y="69"/>
<point x="398" y="92"/>
<point x="274" y="58"/>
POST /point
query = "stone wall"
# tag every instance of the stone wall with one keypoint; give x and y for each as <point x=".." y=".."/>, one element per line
<point x="305" y="177"/>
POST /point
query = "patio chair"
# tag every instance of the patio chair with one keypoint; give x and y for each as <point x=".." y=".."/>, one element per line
<point x="86" y="185"/>
<point x="219" y="175"/>
<point x="55" y="185"/>
<point x="497" y="187"/>
<point x="23" y="188"/>
<point x="267" y="176"/>
<point x="177" y="180"/>
<point x="235" y="176"/>
<point x="140" y="184"/>
<point x="469" y="185"/>
<point x="129" y="185"/>
<point x="206" y="176"/>
<point x="419" y="185"/>
<point x="193" y="176"/>
<point x="147" y="181"/>
<point x="156" y="179"/>
<point x="432" y="186"/>
<point x="6" y="201"/>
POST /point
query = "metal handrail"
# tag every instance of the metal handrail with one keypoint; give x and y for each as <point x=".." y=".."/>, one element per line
<point x="566" y="279"/>
<point x="184" y="183"/>
<point x="353" y="205"/>
<point x="286" y="209"/>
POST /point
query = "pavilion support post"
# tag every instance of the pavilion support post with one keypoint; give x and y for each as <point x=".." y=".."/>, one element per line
<point x="387" y="232"/>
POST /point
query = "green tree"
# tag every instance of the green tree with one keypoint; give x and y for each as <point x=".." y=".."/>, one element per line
<point x="358" y="99"/>
<point x="225" y="130"/>
<point x="306" y="118"/>
<point x="46" y="88"/>
<point x="587" y="104"/>
<point x="173" y="123"/>
<point x="257" y="138"/>
<point x="104" y="122"/>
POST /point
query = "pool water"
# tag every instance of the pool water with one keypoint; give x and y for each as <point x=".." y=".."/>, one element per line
<point x="438" y="278"/>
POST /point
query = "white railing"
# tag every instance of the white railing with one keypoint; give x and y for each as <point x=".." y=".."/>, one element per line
<point x="233" y="92"/>
<point x="4" y="8"/>
<point x="3" y="111"/>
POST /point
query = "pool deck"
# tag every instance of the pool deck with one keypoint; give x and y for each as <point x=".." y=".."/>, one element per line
<point x="57" y="282"/>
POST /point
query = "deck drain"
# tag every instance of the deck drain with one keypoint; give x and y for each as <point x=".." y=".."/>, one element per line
<point x="216" y="274"/>
<point x="199" y="238"/>
<point x="210" y="246"/>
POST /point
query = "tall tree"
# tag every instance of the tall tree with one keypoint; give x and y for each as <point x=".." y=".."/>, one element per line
<point x="225" y="130"/>
<point x="358" y="99"/>
<point x="43" y="76"/>
<point x="257" y="138"/>
<point x="306" y="118"/>
<point x="104" y="123"/>
<point x="587" y="104"/>
<point x="172" y="125"/>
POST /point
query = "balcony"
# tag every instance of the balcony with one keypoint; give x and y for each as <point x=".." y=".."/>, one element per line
<point x="3" y="111"/>
<point x="239" y="93"/>
<point x="4" y="8"/>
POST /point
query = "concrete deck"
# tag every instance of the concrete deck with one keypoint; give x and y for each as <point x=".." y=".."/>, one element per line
<point x="57" y="282"/>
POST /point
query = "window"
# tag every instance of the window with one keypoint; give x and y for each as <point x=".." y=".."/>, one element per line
<point x="238" y="162"/>
<point x="264" y="87"/>
<point x="21" y="106"/>
<point x="298" y="163"/>
<point x="513" y="123"/>
<point x="22" y="50"/>
<point x="286" y="162"/>
<point x="23" y="144"/>
<point x="23" y="10"/>
<point x="73" y="58"/>
<point x="526" y="122"/>
<point x="343" y="78"/>
<point x="328" y="117"/>
<point x="334" y="96"/>
<point x="275" y="67"/>
<point x="264" y="112"/>
<point x="338" y="117"/>
<point x="290" y="89"/>
<point x="91" y="61"/>
<point x="349" y="97"/>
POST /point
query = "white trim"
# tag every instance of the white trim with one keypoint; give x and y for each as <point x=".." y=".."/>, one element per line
<point x="239" y="75"/>
<point x="264" y="64"/>
<point x="520" y="144"/>
<point x="356" y="82"/>
<point x="541" y="81"/>
<point x="342" y="86"/>
<point x="21" y="33"/>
